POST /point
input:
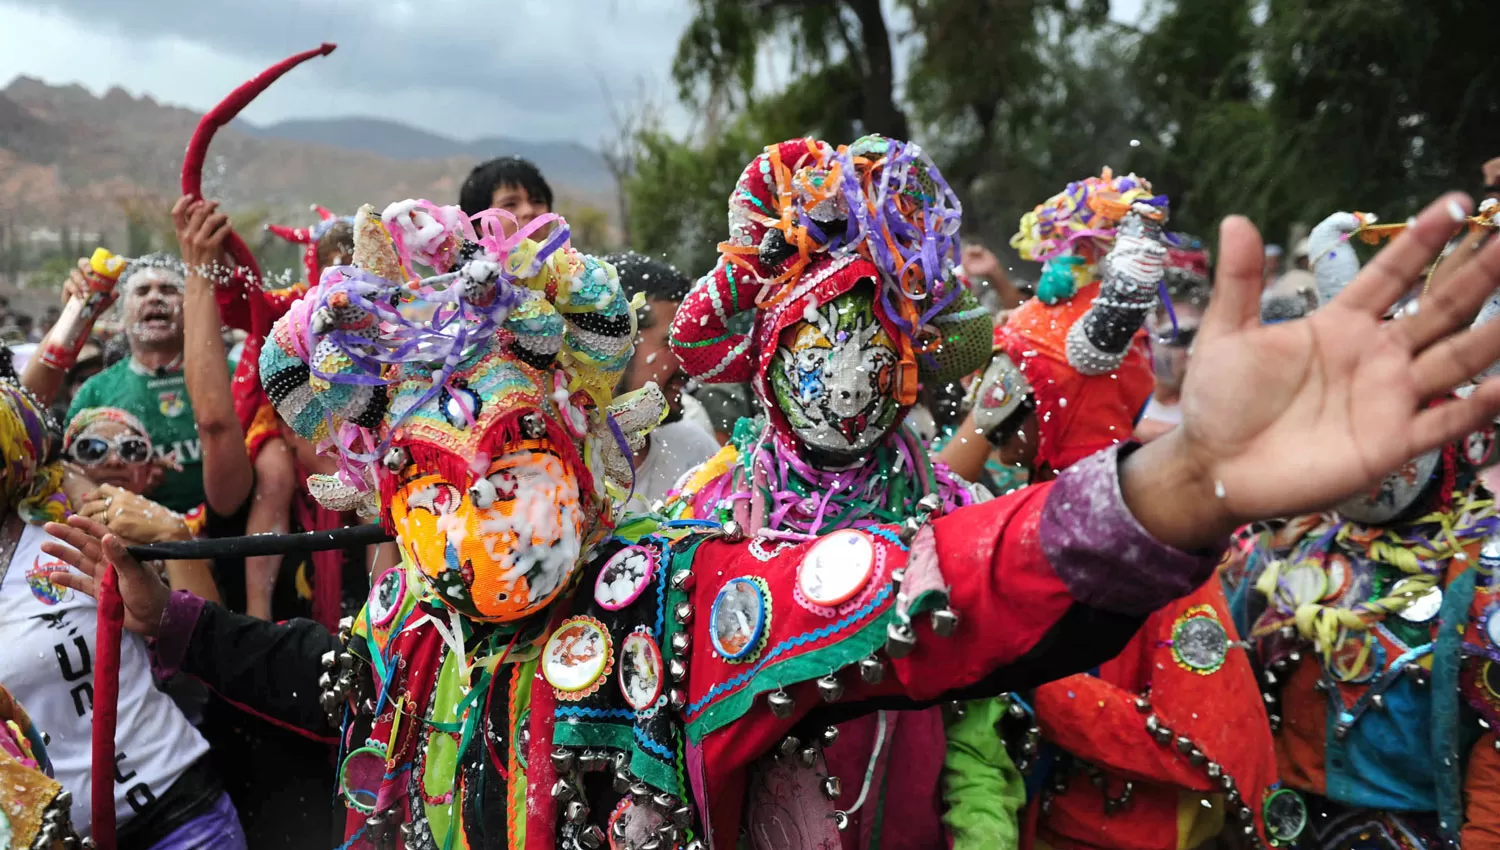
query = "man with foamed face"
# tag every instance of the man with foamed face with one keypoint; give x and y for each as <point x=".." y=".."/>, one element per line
<point x="149" y="383"/>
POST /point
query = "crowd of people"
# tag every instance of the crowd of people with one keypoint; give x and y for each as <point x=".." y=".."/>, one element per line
<point x="848" y="542"/>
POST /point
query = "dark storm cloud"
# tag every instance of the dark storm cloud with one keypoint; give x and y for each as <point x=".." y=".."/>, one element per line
<point x="530" y="61"/>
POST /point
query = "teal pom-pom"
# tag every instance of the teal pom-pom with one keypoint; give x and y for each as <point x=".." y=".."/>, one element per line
<point x="1058" y="282"/>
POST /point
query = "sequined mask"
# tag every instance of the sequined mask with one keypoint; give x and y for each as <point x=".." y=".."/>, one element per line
<point x="502" y="549"/>
<point x="834" y="376"/>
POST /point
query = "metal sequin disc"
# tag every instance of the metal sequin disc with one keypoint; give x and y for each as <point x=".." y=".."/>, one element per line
<point x="1200" y="643"/>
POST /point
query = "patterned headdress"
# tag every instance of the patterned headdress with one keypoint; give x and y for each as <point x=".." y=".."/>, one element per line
<point x="808" y="222"/>
<point x="513" y="340"/>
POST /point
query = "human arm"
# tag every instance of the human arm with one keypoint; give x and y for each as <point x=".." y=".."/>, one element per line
<point x="140" y="520"/>
<point x="227" y="474"/>
<point x="982" y="787"/>
<point x="1482" y="795"/>
<point x="980" y="263"/>
<point x="45" y="378"/>
<point x="268" y="667"/>
<point x="967" y="451"/>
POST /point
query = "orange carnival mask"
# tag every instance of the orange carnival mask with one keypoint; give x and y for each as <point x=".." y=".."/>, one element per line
<point x="504" y="548"/>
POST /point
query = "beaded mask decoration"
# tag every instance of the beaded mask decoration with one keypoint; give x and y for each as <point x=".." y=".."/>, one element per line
<point x="476" y="404"/>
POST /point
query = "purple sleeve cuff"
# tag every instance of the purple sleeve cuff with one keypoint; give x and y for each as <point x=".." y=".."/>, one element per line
<point x="174" y="631"/>
<point x="1099" y="550"/>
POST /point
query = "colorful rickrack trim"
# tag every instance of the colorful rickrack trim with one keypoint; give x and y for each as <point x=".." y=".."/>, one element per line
<point x="723" y="688"/>
<point x="1420" y="549"/>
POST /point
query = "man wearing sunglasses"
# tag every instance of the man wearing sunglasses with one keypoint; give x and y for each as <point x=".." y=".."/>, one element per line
<point x="149" y="384"/>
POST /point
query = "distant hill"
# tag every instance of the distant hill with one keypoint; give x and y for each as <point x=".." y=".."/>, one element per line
<point x="565" y="163"/>
<point x="72" y="161"/>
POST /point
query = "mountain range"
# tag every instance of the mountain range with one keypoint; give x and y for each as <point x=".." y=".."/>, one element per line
<point x="73" y="160"/>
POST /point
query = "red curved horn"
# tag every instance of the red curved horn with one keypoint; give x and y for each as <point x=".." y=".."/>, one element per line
<point x="299" y="235"/>
<point x="197" y="150"/>
<point x="324" y="213"/>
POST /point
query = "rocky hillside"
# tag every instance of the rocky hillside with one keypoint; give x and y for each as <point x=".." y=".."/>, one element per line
<point x="71" y="159"/>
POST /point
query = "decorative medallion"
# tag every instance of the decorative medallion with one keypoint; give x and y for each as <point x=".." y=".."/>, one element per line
<point x="624" y="577"/>
<point x="640" y="670"/>
<point x="521" y="737"/>
<point x="577" y="658"/>
<point x="1305" y="583"/>
<point x="1340" y="574"/>
<point x="1489" y="674"/>
<point x="385" y="598"/>
<point x="836" y="568"/>
<point x="1394" y="494"/>
<point x="1478" y="447"/>
<point x="739" y="622"/>
<point x="1358" y="658"/>
<point x="1199" y="641"/>
<point x="1423" y="608"/>
<point x="1489" y="624"/>
<point x="1285" y="814"/>
<point x="360" y="777"/>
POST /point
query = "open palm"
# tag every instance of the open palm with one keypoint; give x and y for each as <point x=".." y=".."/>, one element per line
<point x="1283" y="419"/>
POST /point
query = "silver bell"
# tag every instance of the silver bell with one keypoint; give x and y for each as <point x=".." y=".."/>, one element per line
<point x="682" y="580"/>
<point x="677" y="670"/>
<point x="832" y="787"/>
<point x="733" y="532"/>
<point x="677" y="699"/>
<point x="683" y="612"/>
<point x="944" y="622"/>
<point x="830" y="688"/>
<point x="900" y="640"/>
<point x="681" y="642"/>
<point x="563" y="790"/>
<point x="564" y="761"/>
<point x="871" y="670"/>
<point x="841" y="820"/>
<point x="328" y="660"/>
<point x="788" y="747"/>
<point x="577" y="812"/>
<point x="808" y="756"/>
<point x="395" y="460"/>
<point x="591" y="838"/>
<point x="781" y="704"/>
<point x="829" y="736"/>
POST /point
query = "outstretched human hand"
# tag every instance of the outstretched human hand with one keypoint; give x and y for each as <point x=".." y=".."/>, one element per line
<point x="89" y="548"/>
<point x="1280" y="420"/>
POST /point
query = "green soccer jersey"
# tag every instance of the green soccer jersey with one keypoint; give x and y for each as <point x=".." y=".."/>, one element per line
<point x="161" y="402"/>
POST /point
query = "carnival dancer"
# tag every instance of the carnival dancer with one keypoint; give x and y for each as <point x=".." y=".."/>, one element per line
<point x="1148" y="750"/>
<point x="492" y="456"/>
<point x="1372" y="633"/>
<point x="835" y="357"/>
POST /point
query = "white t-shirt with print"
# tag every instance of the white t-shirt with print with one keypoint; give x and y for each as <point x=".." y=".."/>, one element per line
<point x="676" y="449"/>
<point x="47" y="662"/>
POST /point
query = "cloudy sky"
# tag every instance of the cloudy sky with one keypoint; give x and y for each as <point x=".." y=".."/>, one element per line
<point x="539" y="69"/>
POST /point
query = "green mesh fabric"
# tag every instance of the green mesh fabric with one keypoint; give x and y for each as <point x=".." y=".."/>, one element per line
<point x="968" y="334"/>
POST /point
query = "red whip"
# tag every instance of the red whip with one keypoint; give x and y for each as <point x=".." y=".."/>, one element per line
<point x="192" y="162"/>
<point x="106" y="707"/>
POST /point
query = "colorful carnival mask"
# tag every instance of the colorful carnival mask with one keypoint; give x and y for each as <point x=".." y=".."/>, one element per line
<point x="808" y="223"/>
<point x="477" y="404"/>
<point x="834" y="376"/>
<point x="502" y="548"/>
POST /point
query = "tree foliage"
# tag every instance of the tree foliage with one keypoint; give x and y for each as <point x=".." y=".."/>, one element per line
<point x="1284" y="110"/>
